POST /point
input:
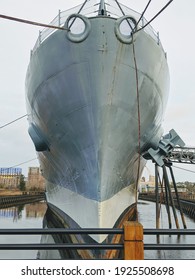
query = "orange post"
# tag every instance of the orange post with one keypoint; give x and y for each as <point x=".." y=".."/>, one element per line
<point x="133" y="241"/>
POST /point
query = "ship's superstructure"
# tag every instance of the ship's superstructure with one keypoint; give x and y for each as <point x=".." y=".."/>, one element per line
<point x="96" y="92"/>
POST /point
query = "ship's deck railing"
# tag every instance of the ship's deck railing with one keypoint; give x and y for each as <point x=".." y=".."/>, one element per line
<point x="132" y="245"/>
<point x="91" y="9"/>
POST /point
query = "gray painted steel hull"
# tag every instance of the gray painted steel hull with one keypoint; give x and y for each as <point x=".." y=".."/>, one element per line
<point x="83" y="99"/>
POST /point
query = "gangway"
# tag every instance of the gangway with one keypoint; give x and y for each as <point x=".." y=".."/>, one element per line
<point x="181" y="155"/>
<point x="171" y="149"/>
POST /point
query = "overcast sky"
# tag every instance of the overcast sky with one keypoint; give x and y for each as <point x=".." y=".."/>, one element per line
<point x="176" y="27"/>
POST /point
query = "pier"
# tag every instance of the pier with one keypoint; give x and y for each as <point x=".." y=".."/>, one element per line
<point x="187" y="202"/>
<point x="14" y="200"/>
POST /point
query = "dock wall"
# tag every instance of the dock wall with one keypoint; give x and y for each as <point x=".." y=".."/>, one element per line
<point x="9" y="201"/>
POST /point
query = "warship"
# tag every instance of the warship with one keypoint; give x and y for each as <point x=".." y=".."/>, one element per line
<point x="96" y="92"/>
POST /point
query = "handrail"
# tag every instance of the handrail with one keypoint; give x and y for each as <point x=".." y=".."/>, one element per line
<point x="169" y="231"/>
<point x="171" y="247"/>
<point x="133" y="239"/>
<point x="118" y="246"/>
<point x="59" y="246"/>
<point x="38" y="231"/>
<point x="33" y="231"/>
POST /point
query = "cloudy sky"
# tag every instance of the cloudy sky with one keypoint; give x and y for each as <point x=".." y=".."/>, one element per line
<point x="176" y="27"/>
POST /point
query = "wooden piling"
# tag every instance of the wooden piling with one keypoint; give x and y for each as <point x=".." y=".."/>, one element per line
<point x="133" y="241"/>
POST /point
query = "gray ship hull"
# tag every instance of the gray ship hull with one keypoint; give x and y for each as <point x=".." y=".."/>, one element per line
<point x="82" y="101"/>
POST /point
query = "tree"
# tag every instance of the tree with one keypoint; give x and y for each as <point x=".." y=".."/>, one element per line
<point x="22" y="184"/>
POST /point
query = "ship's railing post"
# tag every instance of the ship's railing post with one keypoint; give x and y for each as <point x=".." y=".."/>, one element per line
<point x="133" y="241"/>
<point x="59" y="18"/>
<point x="143" y="23"/>
<point x="40" y="37"/>
<point x="158" y="38"/>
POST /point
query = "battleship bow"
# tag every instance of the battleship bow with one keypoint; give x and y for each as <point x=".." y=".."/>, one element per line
<point x="82" y="90"/>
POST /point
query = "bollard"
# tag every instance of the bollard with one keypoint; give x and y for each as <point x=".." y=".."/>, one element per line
<point x="133" y="241"/>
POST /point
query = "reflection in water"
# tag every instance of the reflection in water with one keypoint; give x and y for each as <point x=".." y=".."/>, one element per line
<point x="31" y="216"/>
<point x="25" y="216"/>
<point x="14" y="213"/>
<point x="9" y="213"/>
<point x="36" y="210"/>
<point x="147" y="219"/>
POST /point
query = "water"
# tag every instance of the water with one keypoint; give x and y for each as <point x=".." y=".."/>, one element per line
<point x="147" y="218"/>
<point x="27" y="216"/>
<point x="31" y="216"/>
